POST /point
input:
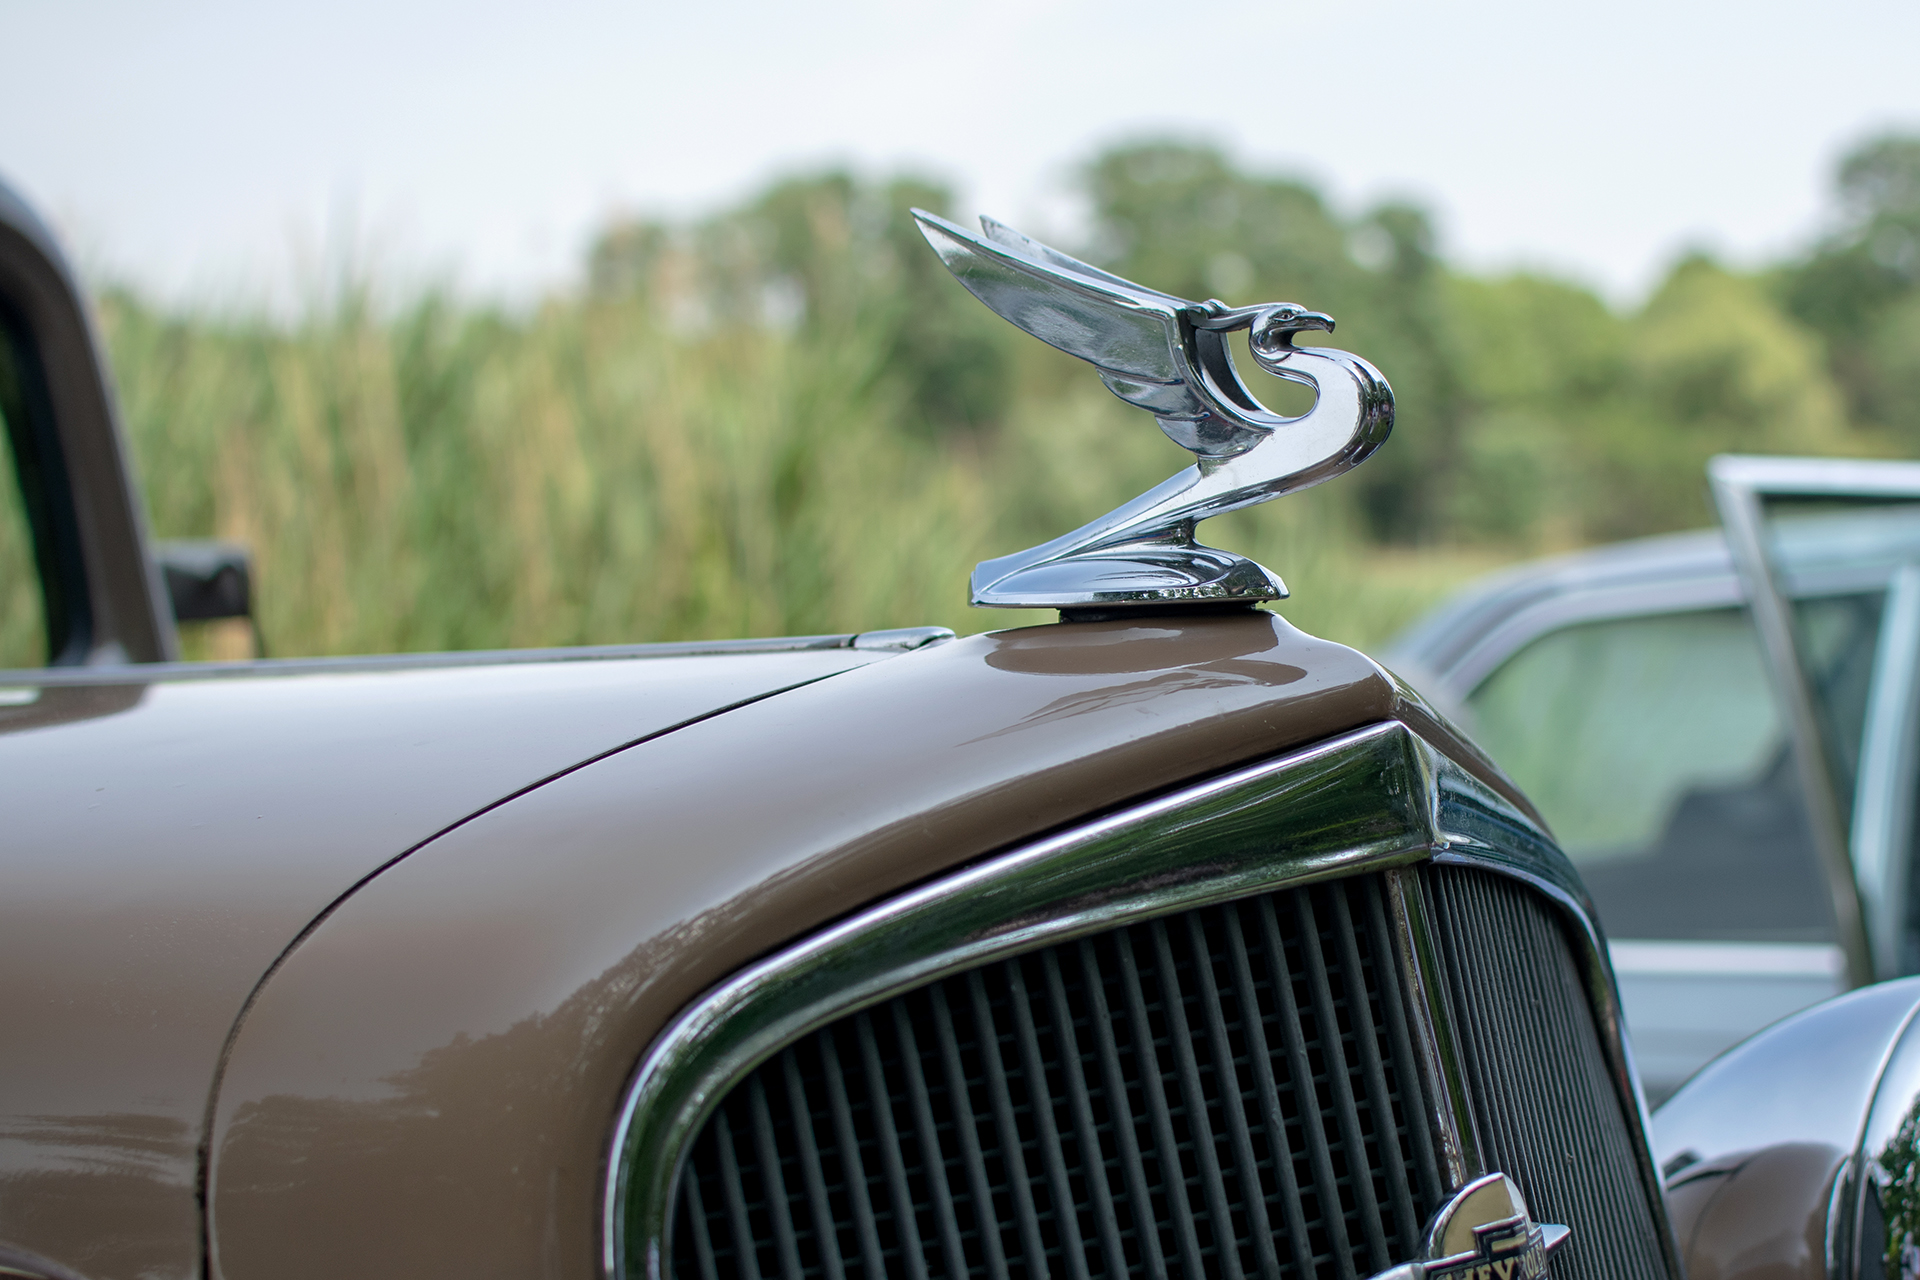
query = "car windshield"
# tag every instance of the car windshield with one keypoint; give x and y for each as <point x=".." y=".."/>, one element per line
<point x="22" y="629"/>
<point x="1654" y="747"/>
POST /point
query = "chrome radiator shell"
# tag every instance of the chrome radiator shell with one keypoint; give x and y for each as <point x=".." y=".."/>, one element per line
<point x="1380" y="802"/>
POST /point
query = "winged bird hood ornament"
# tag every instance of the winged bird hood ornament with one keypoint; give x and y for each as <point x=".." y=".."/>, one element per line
<point x="1170" y="357"/>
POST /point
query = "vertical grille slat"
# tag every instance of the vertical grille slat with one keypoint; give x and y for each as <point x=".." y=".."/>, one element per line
<point x="746" y="1242"/>
<point x="1086" y="1133"/>
<point x="1340" y="1086"/>
<point x="1066" y="1216"/>
<point x="1126" y="1121"/>
<point x="971" y="1158"/>
<point x="813" y="1177"/>
<point x="779" y="1200"/>
<point x="702" y="1238"/>
<point x="933" y="1164"/>
<point x="905" y="1218"/>
<point x="1007" y="1131"/>
<point x="1325" y="1187"/>
<point x="1228" y="1092"/>
<point x="1234" y="1107"/>
<point x="1193" y="1105"/>
<point x="1260" y="1053"/>
<point x="1373" y="1072"/>
<point x="1178" y="1210"/>
<point x="853" y="1163"/>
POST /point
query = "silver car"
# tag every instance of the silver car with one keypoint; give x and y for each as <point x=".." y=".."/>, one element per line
<point x="1720" y="728"/>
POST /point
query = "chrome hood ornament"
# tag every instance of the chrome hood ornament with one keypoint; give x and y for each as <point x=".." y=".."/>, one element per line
<point x="1484" y="1233"/>
<point x="1170" y="357"/>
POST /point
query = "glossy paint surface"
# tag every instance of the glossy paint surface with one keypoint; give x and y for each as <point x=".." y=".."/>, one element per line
<point x="162" y="844"/>
<point x="1768" y="1145"/>
<point x="1761" y="1215"/>
<point x="441" y="1062"/>
<point x="1809" y="1079"/>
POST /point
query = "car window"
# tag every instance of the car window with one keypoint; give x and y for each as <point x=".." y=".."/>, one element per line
<point x="1838" y="638"/>
<point x="23" y="632"/>
<point x="1655" y="750"/>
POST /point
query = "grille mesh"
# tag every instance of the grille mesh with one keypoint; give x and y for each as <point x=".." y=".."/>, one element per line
<point x="1549" y="1114"/>
<point x="1228" y="1092"/>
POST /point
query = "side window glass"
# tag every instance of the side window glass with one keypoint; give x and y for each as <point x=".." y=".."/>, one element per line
<point x="1654" y="748"/>
<point x="1839" y="635"/>
<point x="23" y="629"/>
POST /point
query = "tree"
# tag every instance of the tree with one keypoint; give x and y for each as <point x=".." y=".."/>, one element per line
<point x="825" y="257"/>
<point x="1180" y="217"/>
<point x="1858" y="288"/>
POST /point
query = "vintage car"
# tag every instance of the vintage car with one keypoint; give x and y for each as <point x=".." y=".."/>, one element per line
<point x="1631" y="694"/>
<point x="1160" y="940"/>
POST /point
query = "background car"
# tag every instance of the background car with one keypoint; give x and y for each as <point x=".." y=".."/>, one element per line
<point x="1631" y="693"/>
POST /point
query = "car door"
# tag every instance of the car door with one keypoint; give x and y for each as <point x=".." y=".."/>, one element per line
<point x="1725" y="744"/>
<point x="1849" y="523"/>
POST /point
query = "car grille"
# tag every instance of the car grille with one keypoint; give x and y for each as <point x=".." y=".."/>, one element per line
<point x="1549" y="1114"/>
<point x="1229" y="1092"/>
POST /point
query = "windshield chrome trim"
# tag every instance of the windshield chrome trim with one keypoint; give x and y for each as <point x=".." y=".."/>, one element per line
<point x="1375" y="799"/>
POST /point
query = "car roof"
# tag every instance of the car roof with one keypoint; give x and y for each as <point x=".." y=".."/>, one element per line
<point x="1437" y="641"/>
<point x="1822" y="550"/>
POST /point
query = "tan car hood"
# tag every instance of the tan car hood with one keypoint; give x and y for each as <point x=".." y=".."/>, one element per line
<point x="162" y="844"/>
<point x="159" y="858"/>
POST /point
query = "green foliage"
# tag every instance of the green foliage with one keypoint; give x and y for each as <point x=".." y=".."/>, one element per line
<point x="1182" y="219"/>
<point x="23" y="639"/>
<point x="833" y="261"/>
<point x="1898" y="1185"/>
<point x="1860" y="288"/>
<point x="788" y="418"/>
<point x="451" y="480"/>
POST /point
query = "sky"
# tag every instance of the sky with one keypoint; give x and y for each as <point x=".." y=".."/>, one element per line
<point x="212" y="151"/>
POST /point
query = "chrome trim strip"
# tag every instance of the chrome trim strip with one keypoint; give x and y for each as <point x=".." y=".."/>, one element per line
<point x="1761" y="961"/>
<point x="1378" y="798"/>
<point x="1433" y="1025"/>
<point x="899" y="640"/>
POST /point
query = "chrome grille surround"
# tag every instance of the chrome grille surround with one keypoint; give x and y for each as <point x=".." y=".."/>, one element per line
<point x="1231" y="1090"/>
<point x="1378" y="799"/>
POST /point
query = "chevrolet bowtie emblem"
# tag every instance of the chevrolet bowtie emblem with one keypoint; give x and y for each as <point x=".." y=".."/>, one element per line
<point x="1484" y="1233"/>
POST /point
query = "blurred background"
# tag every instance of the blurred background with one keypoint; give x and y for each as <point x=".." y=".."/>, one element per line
<point x="490" y="326"/>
